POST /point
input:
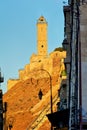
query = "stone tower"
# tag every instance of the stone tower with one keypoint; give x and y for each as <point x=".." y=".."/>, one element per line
<point x="42" y="36"/>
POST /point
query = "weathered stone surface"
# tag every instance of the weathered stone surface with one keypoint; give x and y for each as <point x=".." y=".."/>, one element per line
<point x="83" y="34"/>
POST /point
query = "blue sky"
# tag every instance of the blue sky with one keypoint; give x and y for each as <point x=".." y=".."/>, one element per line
<point x="18" y="20"/>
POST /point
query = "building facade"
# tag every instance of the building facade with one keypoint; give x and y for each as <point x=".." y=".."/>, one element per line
<point x="75" y="31"/>
<point x="76" y="25"/>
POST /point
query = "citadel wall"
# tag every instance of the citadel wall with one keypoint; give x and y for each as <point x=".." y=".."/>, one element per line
<point x="42" y="60"/>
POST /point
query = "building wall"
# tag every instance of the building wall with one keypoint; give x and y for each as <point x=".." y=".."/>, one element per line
<point x="83" y="28"/>
<point x="52" y="64"/>
<point x="66" y="44"/>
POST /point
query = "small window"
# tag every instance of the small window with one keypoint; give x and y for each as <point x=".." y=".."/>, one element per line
<point x="42" y="46"/>
<point x="64" y="85"/>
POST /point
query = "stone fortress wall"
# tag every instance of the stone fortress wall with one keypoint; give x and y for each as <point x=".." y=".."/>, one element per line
<point x="42" y="60"/>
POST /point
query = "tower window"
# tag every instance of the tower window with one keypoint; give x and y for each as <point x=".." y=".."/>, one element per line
<point x="39" y="60"/>
<point x="41" y="19"/>
<point x="42" y="46"/>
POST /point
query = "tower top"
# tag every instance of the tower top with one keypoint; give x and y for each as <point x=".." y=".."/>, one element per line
<point x="41" y="20"/>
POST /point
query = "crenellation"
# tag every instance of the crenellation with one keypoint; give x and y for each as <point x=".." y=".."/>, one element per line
<point x="27" y="69"/>
<point x="21" y="74"/>
<point x="11" y="83"/>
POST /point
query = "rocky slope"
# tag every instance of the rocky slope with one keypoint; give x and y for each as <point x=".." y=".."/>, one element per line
<point x="24" y="105"/>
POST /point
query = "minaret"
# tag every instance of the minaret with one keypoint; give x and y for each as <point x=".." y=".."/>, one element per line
<point x="42" y="45"/>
